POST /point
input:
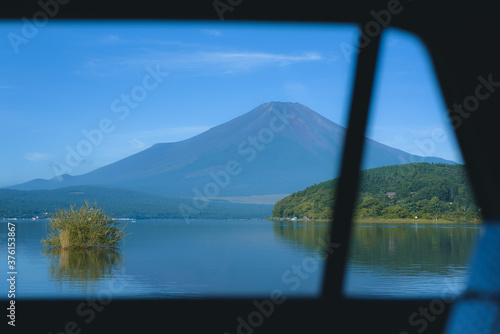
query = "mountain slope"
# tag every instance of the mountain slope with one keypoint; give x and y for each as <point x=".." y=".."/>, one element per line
<point x="276" y="148"/>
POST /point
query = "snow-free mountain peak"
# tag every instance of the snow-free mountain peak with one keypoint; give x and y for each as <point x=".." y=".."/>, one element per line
<point x="276" y="148"/>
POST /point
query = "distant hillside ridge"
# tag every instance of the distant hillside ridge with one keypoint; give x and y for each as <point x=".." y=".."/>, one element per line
<point x="417" y="190"/>
<point x="119" y="203"/>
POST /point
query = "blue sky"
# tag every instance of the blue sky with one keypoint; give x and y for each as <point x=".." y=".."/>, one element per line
<point x="144" y="83"/>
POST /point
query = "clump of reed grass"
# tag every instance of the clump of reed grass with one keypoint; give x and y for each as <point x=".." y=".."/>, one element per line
<point x="86" y="227"/>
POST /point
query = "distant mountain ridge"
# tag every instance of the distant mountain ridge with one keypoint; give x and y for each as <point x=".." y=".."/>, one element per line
<point x="276" y="148"/>
<point x="118" y="203"/>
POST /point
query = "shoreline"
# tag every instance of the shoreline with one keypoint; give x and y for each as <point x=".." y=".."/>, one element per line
<point x="357" y="221"/>
<point x="411" y="221"/>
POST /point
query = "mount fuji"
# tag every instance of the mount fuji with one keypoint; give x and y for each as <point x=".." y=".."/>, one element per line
<point x="273" y="150"/>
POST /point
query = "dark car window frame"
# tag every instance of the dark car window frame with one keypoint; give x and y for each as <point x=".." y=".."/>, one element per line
<point x="332" y="312"/>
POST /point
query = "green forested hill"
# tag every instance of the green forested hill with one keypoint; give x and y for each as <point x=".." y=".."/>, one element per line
<point x="423" y="190"/>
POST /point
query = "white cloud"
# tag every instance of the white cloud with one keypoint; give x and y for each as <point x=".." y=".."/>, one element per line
<point x="37" y="156"/>
<point x="171" y="134"/>
<point x="223" y="62"/>
<point x="199" y="62"/>
<point x="136" y="143"/>
<point x="211" y="32"/>
<point x="257" y="57"/>
<point x="110" y="39"/>
<point x="392" y="41"/>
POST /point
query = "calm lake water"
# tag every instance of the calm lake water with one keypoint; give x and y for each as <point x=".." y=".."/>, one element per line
<point x="209" y="258"/>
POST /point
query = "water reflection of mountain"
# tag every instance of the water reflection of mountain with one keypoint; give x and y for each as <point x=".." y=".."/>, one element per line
<point x="309" y="236"/>
<point x="83" y="267"/>
<point x="410" y="248"/>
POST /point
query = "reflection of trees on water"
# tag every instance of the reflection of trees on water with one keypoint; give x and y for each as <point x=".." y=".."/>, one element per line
<point x="430" y="248"/>
<point x="413" y="248"/>
<point x="309" y="236"/>
<point x="82" y="267"/>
